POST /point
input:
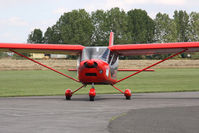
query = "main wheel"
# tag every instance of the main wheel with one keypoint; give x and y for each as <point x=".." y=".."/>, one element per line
<point x="68" y="97"/>
<point x="68" y="94"/>
<point x="127" y="94"/>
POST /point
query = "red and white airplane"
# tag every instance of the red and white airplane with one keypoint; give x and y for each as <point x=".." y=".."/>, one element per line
<point x="99" y="65"/>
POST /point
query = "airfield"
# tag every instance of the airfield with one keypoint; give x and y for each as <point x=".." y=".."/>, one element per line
<point x="146" y="112"/>
<point x="175" y="112"/>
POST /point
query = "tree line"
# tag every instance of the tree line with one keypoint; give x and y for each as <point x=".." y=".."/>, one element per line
<point x="80" y="27"/>
<point x="132" y="27"/>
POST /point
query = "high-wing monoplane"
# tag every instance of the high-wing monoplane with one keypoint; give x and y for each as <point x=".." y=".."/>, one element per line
<point x="99" y="65"/>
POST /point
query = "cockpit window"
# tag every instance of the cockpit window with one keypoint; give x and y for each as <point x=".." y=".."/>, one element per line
<point x="95" y="53"/>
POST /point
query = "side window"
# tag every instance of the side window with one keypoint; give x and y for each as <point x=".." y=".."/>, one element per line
<point x="114" y="59"/>
<point x="110" y="57"/>
<point x="105" y="55"/>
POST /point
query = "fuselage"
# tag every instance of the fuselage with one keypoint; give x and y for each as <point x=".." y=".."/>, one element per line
<point x="97" y="65"/>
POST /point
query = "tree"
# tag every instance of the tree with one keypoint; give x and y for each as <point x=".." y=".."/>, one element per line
<point x="140" y="26"/>
<point x="98" y="21"/>
<point x="165" y="29"/>
<point x="181" y="19"/>
<point x="75" y="27"/>
<point x="194" y="30"/>
<point x="114" y="20"/>
<point x="194" y="26"/>
<point x="35" y="36"/>
<point x="52" y="35"/>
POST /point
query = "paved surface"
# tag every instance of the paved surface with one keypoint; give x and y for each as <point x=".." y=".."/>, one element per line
<point x="50" y="114"/>
<point x="161" y="120"/>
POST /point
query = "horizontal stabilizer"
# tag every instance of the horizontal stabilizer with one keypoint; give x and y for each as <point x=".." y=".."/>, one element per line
<point x="151" y="70"/>
<point x="72" y="69"/>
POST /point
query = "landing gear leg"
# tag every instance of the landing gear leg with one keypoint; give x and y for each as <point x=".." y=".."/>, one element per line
<point x="92" y="93"/>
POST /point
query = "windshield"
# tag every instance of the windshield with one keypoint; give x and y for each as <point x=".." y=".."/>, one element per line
<point x="95" y="53"/>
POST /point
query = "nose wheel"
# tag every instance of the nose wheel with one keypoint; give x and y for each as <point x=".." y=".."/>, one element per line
<point x="92" y="94"/>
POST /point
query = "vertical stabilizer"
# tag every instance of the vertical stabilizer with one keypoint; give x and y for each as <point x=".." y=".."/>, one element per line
<point x="111" y="39"/>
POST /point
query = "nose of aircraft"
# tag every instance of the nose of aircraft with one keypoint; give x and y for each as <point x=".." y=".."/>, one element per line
<point x="90" y="64"/>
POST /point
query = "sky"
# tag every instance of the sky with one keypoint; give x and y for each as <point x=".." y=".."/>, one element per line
<point x="19" y="17"/>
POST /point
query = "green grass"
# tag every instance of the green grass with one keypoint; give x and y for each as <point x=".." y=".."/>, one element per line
<point x="29" y="83"/>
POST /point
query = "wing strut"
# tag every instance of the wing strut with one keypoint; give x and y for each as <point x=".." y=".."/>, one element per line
<point x="152" y="65"/>
<point x="118" y="89"/>
<point x="43" y="65"/>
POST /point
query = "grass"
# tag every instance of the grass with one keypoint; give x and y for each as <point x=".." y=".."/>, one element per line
<point x="30" y="83"/>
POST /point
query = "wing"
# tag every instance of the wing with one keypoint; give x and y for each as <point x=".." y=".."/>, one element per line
<point x="156" y="48"/>
<point x="42" y="48"/>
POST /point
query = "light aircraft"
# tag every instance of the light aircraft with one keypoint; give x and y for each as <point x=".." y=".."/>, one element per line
<point x="99" y="65"/>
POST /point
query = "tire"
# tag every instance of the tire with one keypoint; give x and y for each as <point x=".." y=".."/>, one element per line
<point x="68" y="98"/>
<point x="128" y="97"/>
<point x="92" y="98"/>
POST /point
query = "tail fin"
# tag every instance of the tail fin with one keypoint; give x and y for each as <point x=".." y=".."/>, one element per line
<point x="111" y="39"/>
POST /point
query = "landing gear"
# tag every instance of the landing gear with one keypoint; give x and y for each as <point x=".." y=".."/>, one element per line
<point x="127" y="94"/>
<point x="92" y="94"/>
<point x="68" y="94"/>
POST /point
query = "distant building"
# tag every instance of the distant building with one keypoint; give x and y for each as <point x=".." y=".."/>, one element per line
<point x="58" y="56"/>
<point x="37" y="56"/>
<point x="47" y="56"/>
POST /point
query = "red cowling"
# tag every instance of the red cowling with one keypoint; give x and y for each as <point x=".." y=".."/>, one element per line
<point x="127" y="92"/>
<point x="95" y="71"/>
<point x="68" y="92"/>
<point x="92" y="92"/>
